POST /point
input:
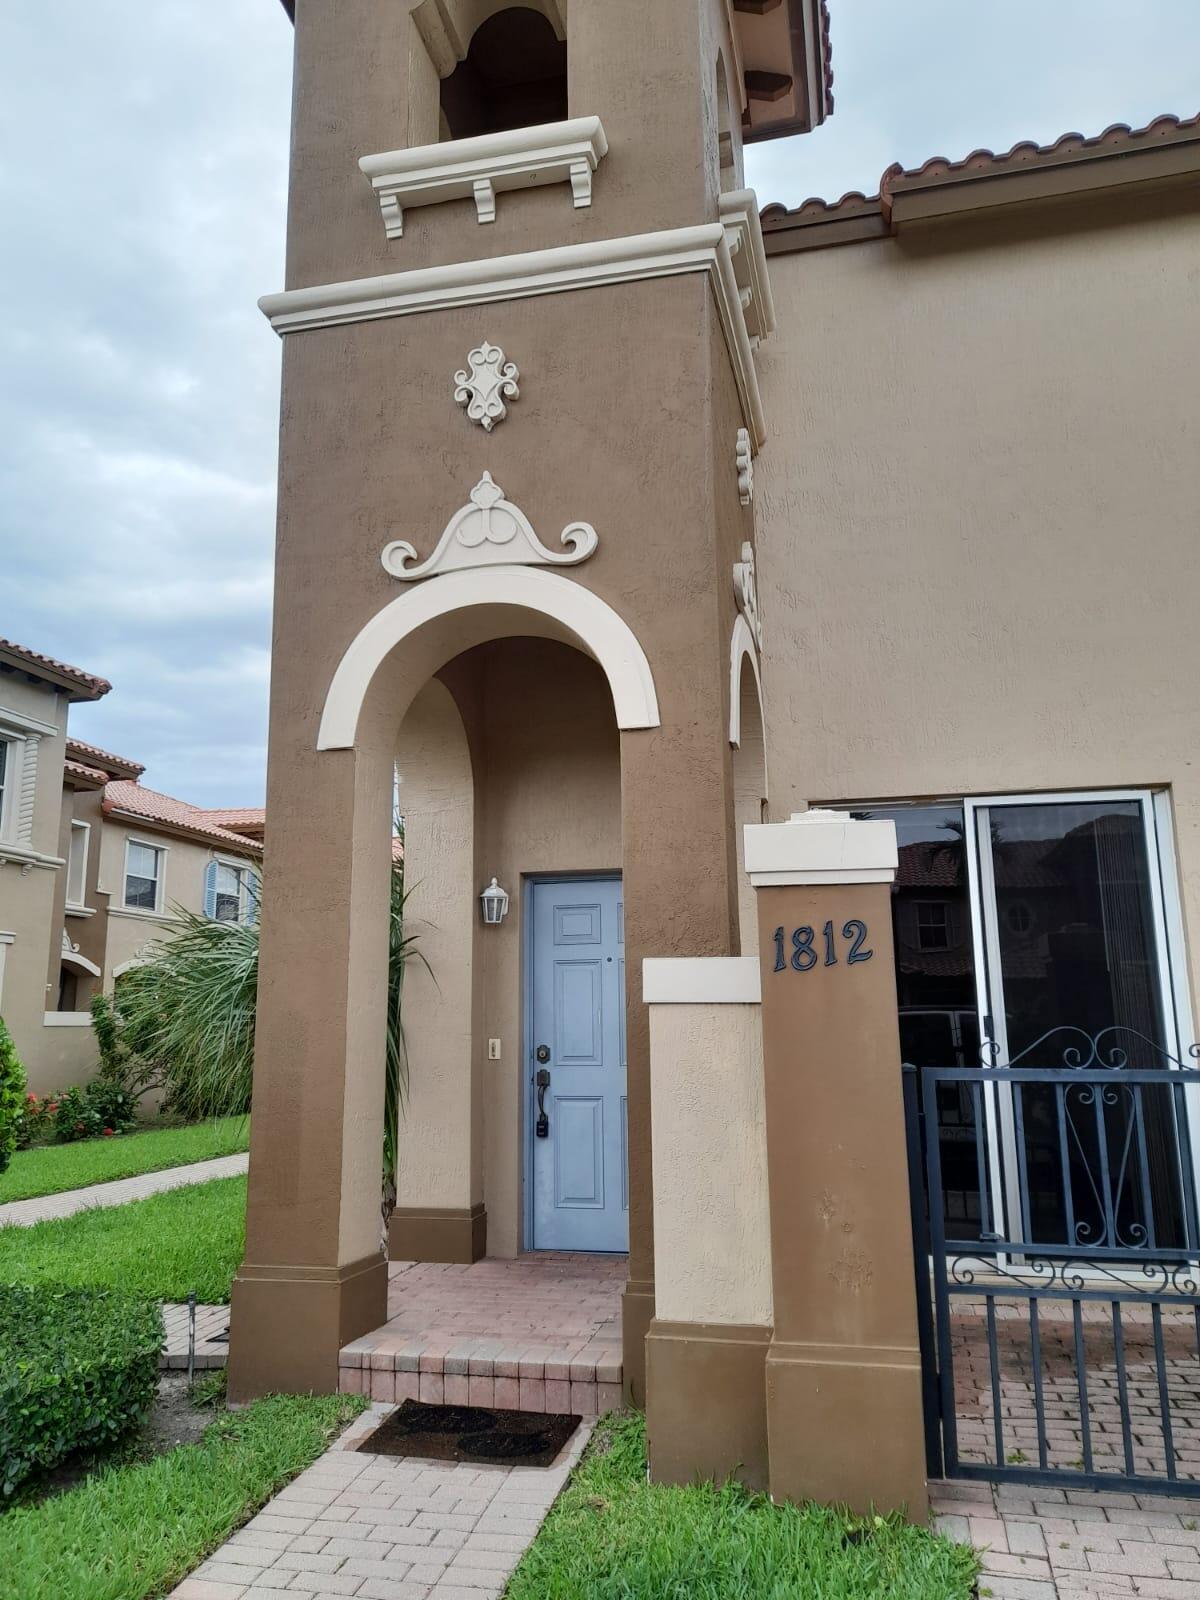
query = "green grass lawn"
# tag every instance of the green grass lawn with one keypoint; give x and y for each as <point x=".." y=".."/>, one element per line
<point x="52" y="1169"/>
<point x="613" y="1536"/>
<point x="165" y="1245"/>
<point x="134" y="1531"/>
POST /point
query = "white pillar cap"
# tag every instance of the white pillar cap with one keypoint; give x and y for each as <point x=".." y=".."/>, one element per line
<point x="820" y="847"/>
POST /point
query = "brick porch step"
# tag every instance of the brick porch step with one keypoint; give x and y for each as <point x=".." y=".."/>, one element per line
<point x="535" y="1334"/>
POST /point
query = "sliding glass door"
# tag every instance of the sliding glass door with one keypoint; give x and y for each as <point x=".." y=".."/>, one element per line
<point x="1073" y="960"/>
<point x="1043" y="931"/>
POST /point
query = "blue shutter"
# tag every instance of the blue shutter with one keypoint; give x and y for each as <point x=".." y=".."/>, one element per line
<point x="253" y="894"/>
<point x="210" y="890"/>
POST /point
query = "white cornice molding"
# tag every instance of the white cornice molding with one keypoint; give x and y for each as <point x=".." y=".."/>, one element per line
<point x="666" y="254"/>
<point x="488" y="165"/>
<point x="701" y="981"/>
<point x="743" y="230"/>
<point x="26" y="724"/>
<point x="816" y="847"/>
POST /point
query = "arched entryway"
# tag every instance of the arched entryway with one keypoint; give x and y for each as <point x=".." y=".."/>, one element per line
<point x="523" y="714"/>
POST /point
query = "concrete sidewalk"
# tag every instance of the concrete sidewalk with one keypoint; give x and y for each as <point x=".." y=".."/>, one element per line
<point x="46" y="1208"/>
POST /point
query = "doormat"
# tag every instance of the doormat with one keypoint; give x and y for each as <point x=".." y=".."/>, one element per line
<point x="472" y="1433"/>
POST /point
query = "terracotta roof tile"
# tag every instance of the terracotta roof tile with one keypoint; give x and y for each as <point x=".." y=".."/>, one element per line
<point x="92" y="775"/>
<point x="239" y="818"/>
<point x="1119" y="137"/>
<point x="817" y="223"/>
<point x="116" y="766"/>
<point x="134" y="800"/>
<point x="93" y="686"/>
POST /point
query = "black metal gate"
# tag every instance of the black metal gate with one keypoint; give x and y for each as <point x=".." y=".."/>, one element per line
<point x="1057" y="1245"/>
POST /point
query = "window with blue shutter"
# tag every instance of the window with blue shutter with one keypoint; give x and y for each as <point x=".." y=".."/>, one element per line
<point x="210" y="889"/>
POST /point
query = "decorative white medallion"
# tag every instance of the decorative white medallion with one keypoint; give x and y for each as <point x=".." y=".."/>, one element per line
<point x="485" y="383"/>
<point x="745" y="466"/>
<point x="489" y="531"/>
<point x="745" y="587"/>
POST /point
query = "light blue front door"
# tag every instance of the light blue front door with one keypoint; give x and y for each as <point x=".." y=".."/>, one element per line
<point x="577" y="1126"/>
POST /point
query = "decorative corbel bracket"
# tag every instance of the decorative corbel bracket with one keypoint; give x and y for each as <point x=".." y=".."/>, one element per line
<point x="745" y="466"/>
<point x="489" y="531"/>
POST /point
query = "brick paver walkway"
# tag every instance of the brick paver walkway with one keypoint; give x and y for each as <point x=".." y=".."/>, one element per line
<point x="542" y="1333"/>
<point x="23" y="1213"/>
<point x="1061" y="1394"/>
<point x="212" y="1337"/>
<point x="386" y="1528"/>
<point x="1055" y="1544"/>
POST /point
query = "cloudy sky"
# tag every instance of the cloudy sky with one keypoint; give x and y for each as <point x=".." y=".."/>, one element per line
<point x="142" y="172"/>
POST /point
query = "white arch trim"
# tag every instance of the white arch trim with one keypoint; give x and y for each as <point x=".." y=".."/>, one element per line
<point x="128" y="966"/>
<point x="741" y="645"/>
<point x="592" y="620"/>
<point x="72" y="958"/>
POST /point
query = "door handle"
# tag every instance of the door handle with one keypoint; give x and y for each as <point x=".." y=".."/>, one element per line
<point x="541" y="1128"/>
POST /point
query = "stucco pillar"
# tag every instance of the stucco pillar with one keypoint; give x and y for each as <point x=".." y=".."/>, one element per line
<point x="706" y="1347"/>
<point x="314" y="1276"/>
<point x="843" y="1371"/>
<point x="678" y="868"/>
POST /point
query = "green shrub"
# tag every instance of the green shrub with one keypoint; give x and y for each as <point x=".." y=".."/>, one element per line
<point x="12" y="1096"/>
<point x="99" y="1110"/>
<point x="35" y="1121"/>
<point x="78" y="1369"/>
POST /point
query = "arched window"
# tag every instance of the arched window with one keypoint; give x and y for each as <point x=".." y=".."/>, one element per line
<point x="514" y="76"/>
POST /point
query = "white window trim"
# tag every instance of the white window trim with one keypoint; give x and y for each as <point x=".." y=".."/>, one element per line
<point x="81" y="903"/>
<point x="159" y="887"/>
<point x="14" y="762"/>
<point x="244" y="868"/>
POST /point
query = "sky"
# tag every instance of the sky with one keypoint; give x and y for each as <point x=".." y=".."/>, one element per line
<point x="143" y="154"/>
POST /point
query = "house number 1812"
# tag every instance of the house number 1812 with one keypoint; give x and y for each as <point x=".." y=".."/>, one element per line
<point x="804" y="953"/>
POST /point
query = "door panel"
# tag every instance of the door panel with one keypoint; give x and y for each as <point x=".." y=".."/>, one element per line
<point x="578" y="1018"/>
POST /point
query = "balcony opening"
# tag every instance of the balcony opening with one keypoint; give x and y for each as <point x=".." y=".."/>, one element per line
<point x="514" y="76"/>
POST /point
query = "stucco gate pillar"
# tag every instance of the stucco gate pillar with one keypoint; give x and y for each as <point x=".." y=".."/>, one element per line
<point x="843" y="1370"/>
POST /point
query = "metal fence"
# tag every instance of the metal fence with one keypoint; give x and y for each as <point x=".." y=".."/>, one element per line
<point x="1057" y="1245"/>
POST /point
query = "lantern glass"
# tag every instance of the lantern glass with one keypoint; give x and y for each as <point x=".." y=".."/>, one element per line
<point x="494" y="901"/>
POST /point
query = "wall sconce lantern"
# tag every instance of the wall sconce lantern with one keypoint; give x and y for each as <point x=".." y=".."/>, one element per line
<point x="494" y="901"/>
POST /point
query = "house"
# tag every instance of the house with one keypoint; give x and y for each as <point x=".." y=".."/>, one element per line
<point x="93" y="866"/>
<point x="622" y="521"/>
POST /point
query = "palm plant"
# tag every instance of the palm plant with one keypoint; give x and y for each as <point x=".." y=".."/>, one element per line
<point x="186" y="1019"/>
<point x="401" y="949"/>
<point x="188" y="1009"/>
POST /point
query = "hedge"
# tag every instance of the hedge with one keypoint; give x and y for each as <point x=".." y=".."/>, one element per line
<point x="12" y="1095"/>
<point x="78" y="1369"/>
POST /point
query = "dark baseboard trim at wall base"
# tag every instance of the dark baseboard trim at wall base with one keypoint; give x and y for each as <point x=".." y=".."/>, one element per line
<point x="457" y="1235"/>
<point x="288" y="1323"/>
<point x="706" y="1402"/>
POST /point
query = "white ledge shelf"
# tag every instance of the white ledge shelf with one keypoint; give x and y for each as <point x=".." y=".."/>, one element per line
<point x="482" y="168"/>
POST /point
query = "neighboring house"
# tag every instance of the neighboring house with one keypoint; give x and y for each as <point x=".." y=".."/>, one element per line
<point x="92" y="866"/>
<point x="40" y="862"/>
<point x="159" y="854"/>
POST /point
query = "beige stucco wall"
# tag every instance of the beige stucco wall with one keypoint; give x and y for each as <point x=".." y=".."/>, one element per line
<point x="530" y="732"/>
<point x="129" y="931"/>
<point x="436" y="799"/>
<point x="711" y="1213"/>
<point x="978" y="560"/>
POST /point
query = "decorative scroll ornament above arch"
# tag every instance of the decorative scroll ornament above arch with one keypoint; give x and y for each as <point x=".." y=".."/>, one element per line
<point x="489" y="531"/>
<point x="745" y="585"/>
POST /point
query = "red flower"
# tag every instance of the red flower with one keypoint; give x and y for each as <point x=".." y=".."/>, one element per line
<point x="108" y="1133"/>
